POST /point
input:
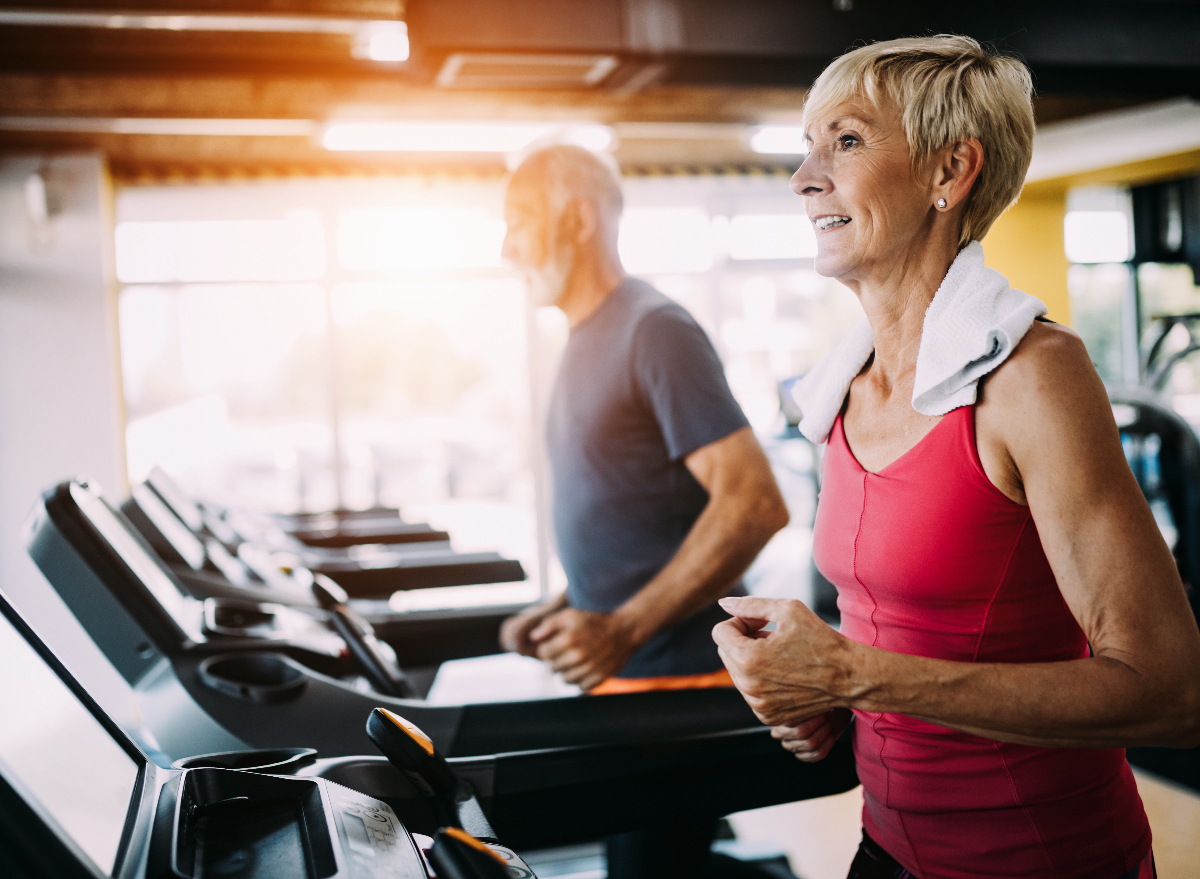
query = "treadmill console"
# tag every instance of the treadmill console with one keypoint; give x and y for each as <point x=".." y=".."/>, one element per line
<point x="184" y="609"/>
<point x="178" y="536"/>
<point x="134" y="606"/>
<point x="79" y="799"/>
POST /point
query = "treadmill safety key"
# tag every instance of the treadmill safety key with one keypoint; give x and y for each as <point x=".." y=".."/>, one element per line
<point x="454" y="853"/>
<point x="517" y="868"/>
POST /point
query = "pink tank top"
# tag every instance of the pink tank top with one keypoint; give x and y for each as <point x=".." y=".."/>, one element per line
<point x="930" y="559"/>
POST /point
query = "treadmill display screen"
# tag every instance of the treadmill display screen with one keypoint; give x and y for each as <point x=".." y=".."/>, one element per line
<point x="176" y="499"/>
<point x="59" y="757"/>
<point x="186" y="543"/>
<point x="182" y="608"/>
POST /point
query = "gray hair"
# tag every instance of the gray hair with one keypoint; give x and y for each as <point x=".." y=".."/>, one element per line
<point x="569" y="171"/>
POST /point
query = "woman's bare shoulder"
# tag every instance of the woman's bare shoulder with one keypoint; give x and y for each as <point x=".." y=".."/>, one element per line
<point x="1050" y="363"/>
<point x="1046" y="405"/>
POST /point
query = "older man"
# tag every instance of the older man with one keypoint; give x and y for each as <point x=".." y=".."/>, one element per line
<point x="662" y="495"/>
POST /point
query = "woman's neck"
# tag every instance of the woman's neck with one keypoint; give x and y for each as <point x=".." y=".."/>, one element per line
<point x="895" y="302"/>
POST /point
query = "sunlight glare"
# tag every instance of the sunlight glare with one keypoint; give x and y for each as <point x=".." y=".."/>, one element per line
<point x="1097" y="237"/>
<point x="419" y="238"/>
<point x="771" y="236"/>
<point x="665" y="240"/>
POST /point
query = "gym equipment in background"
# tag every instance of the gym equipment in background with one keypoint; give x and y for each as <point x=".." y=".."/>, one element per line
<point x="245" y="547"/>
<point x="255" y="573"/>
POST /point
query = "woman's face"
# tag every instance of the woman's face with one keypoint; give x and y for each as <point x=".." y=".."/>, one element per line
<point x="867" y="207"/>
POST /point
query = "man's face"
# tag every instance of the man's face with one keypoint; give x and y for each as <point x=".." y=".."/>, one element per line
<point x="530" y="242"/>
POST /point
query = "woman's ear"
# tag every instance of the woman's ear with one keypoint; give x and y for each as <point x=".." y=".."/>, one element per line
<point x="956" y="168"/>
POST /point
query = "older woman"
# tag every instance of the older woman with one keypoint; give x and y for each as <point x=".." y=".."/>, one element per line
<point x="1011" y="618"/>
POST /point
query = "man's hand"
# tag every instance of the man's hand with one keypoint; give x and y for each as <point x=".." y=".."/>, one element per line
<point x="584" y="647"/>
<point x="787" y="676"/>
<point x="811" y="740"/>
<point x="514" y="631"/>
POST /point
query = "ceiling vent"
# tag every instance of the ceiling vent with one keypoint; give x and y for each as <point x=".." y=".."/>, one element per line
<point x="494" y="70"/>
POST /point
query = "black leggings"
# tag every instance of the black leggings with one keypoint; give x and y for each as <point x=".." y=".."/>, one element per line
<point x="873" y="862"/>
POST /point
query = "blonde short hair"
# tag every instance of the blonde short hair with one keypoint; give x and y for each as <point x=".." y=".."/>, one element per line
<point x="946" y="88"/>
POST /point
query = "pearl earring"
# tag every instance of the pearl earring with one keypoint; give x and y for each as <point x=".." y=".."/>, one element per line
<point x="941" y="202"/>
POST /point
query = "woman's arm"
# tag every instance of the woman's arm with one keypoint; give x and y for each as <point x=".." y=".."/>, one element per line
<point x="1045" y="434"/>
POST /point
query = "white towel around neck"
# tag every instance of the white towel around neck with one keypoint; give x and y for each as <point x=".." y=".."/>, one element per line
<point x="973" y="323"/>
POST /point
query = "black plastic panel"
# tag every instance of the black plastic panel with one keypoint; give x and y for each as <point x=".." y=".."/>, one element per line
<point x="114" y="629"/>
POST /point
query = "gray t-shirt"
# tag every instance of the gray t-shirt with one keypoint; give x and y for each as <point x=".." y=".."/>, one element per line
<point x="639" y="388"/>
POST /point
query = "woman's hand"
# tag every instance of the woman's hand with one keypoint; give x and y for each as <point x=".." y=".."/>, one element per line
<point x="790" y="675"/>
<point x="811" y="740"/>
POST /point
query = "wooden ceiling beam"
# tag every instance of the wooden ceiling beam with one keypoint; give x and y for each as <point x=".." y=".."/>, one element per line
<point x="383" y="96"/>
<point x="165" y="151"/>
<point x="377" y="96"/>
<point x="166" y="53"/>
<point x="369" y="9"/>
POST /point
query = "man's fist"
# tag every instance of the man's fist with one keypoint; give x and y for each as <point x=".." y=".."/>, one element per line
<point x="514" y="631"/>
<point x="584" y="647"/>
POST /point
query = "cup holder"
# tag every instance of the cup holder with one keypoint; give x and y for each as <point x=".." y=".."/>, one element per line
<point x="257" y="677"/>
<point x="276" y="761"/>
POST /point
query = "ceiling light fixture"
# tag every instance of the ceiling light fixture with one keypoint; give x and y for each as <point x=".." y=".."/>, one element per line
<point x="191" y="22"/>
<point x="150" y="125"/>
<point x="373" y="40"/>
<point x="459" y="137"/>
<point x="382" y="41"/>
<point x="779" y="140"/>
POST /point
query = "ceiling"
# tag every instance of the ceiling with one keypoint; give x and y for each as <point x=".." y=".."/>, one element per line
<point x="680" y="80"/>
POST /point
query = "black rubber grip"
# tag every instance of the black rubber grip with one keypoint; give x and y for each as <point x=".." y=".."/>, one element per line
<point x="411" y="751"/>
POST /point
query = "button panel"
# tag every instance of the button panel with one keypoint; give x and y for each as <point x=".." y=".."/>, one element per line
<point x="374" y="842"/>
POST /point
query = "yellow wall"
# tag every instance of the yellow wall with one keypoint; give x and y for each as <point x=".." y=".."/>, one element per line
<point x="1026" y="246"/>
<point x="1026" y="243"/>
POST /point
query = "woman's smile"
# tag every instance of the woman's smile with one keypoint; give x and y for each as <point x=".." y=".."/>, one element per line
<point x="829" y="222"/>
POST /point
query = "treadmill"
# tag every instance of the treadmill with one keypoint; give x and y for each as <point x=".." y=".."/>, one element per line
<point x="280" y="678"/>
<point x="365" y="570"/>
<point x="343" y="528"/>
<point x="420" y="638"/>
<point x="545" y="772"/>
<point x="79" y="799"/>
<point x="329" y="530"/>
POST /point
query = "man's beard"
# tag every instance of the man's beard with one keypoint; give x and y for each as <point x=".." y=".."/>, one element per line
<point x="548" y="282"/>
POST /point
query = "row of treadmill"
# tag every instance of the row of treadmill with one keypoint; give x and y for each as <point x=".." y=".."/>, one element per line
<point x="287" y="698"/>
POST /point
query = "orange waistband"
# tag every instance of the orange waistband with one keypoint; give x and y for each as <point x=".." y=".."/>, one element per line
<point x="613" y="686"/>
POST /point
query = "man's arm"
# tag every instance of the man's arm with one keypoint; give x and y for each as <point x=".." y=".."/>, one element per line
<point x="745" y="508"/>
